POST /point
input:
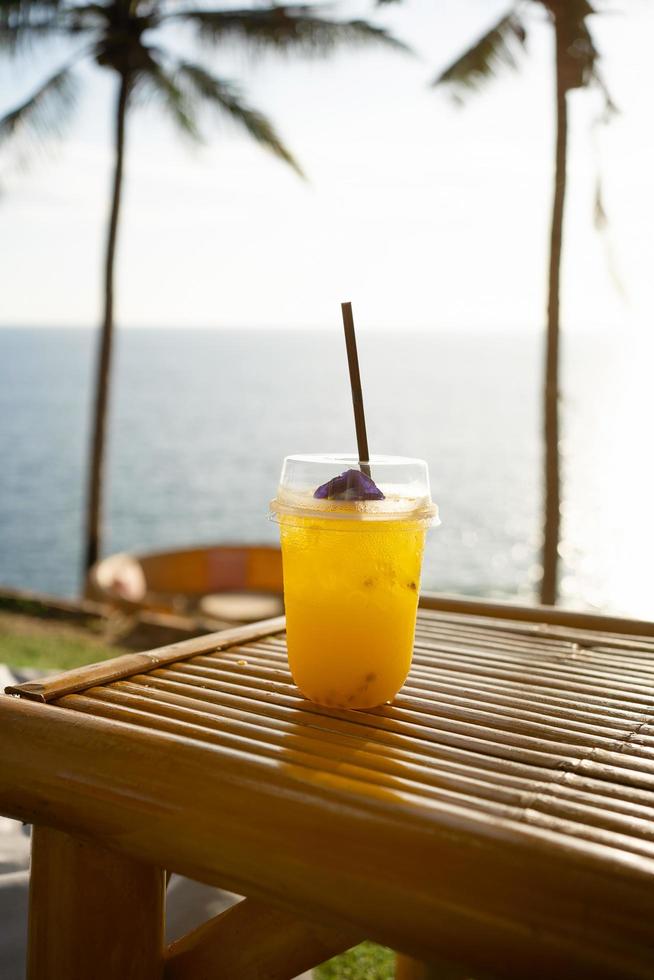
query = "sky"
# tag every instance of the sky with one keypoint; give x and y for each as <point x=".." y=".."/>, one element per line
<point x="424" y="215"/>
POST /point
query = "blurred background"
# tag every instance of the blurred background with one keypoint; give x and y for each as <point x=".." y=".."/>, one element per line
<point x="431" y="215"/>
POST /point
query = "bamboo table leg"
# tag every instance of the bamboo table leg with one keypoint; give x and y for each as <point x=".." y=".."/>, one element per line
<point x="93" y="913"/>
<point x="254" y="941"/>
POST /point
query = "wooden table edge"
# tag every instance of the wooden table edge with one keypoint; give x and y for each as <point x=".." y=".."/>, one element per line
<point x="546" y="615"/>
<point x="71" y="790"/>
<point x="118" y="668"/>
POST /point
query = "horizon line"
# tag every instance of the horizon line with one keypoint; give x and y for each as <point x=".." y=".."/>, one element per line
<point x="327" y="327"/>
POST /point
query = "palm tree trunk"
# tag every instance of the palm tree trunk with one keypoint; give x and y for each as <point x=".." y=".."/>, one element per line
<point x="96" y="468"/>
<point x="552" y="462"/>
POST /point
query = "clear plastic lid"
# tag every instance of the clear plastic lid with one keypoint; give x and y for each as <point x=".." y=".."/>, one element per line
<point x="403" y="482"/>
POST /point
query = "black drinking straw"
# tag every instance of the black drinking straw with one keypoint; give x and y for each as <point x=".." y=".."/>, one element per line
<point x="355" y="384"/>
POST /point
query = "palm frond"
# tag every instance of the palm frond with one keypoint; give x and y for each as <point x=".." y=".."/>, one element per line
<point x="44" y="114"/>
<point x="88" y="16"/>
<point x="163" y="85"/>
<point x="227" y="98"/>
<point x="496" y="50"/>
<point x="610" y="107"/>
<point x="15" y="38"/>
<point x="600" y="217"/>
<point x="24" y="10"/>
<point x="22" y="23"/>
<point x="296" y="29"/>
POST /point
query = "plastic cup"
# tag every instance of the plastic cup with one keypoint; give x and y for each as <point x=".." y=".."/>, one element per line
<point x="352" y="577"/>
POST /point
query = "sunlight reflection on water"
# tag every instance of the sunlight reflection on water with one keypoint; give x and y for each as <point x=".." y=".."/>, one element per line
<point x="201" y="420"/>
<point x="608" y="535"/>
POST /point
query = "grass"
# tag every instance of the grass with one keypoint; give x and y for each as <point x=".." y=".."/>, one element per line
<point x="365" y="962"/>
<point x="26" y="641"/>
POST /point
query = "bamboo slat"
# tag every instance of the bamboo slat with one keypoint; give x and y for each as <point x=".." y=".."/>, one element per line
<point x="131" y="663"/>
<point x="507" y="793"/>
<point x="321" y="729"/>
<point x="512" y="613"/>
<point x="577" y="818"/>
<point x="419" y="878"/>
<point x="407" y="711"/>
<point x="422" y="697"/>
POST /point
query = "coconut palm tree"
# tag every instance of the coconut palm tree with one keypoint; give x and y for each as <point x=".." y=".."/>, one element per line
<point x="576" y="66"/>
<point x="126" y="37"/>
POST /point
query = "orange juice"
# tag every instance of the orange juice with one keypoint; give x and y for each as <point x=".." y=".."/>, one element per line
<point x="352" y="538"/>
<point x="351" y="593"/>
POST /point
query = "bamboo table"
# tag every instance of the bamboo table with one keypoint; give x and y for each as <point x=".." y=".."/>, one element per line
<point x="497" y="819"/>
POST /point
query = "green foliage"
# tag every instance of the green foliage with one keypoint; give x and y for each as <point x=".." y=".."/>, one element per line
<point x="22" y="22"/>
<point x="45" y="113"/>
<point x="501" y="46"/>
<point x="120" y="35"/>
<point x="365" y="962"/>
<point x="493" y="51"/>
<point x="294" y="29"/>
<point x="165" y="88"/>
<point x="227" y="98"/>
<point x="51" y="649"/>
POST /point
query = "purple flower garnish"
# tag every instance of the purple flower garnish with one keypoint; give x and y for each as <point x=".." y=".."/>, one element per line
<point x="351" y="485"/>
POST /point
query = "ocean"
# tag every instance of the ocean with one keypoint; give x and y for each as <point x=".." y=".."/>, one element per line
<point x="200" y="421"/>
